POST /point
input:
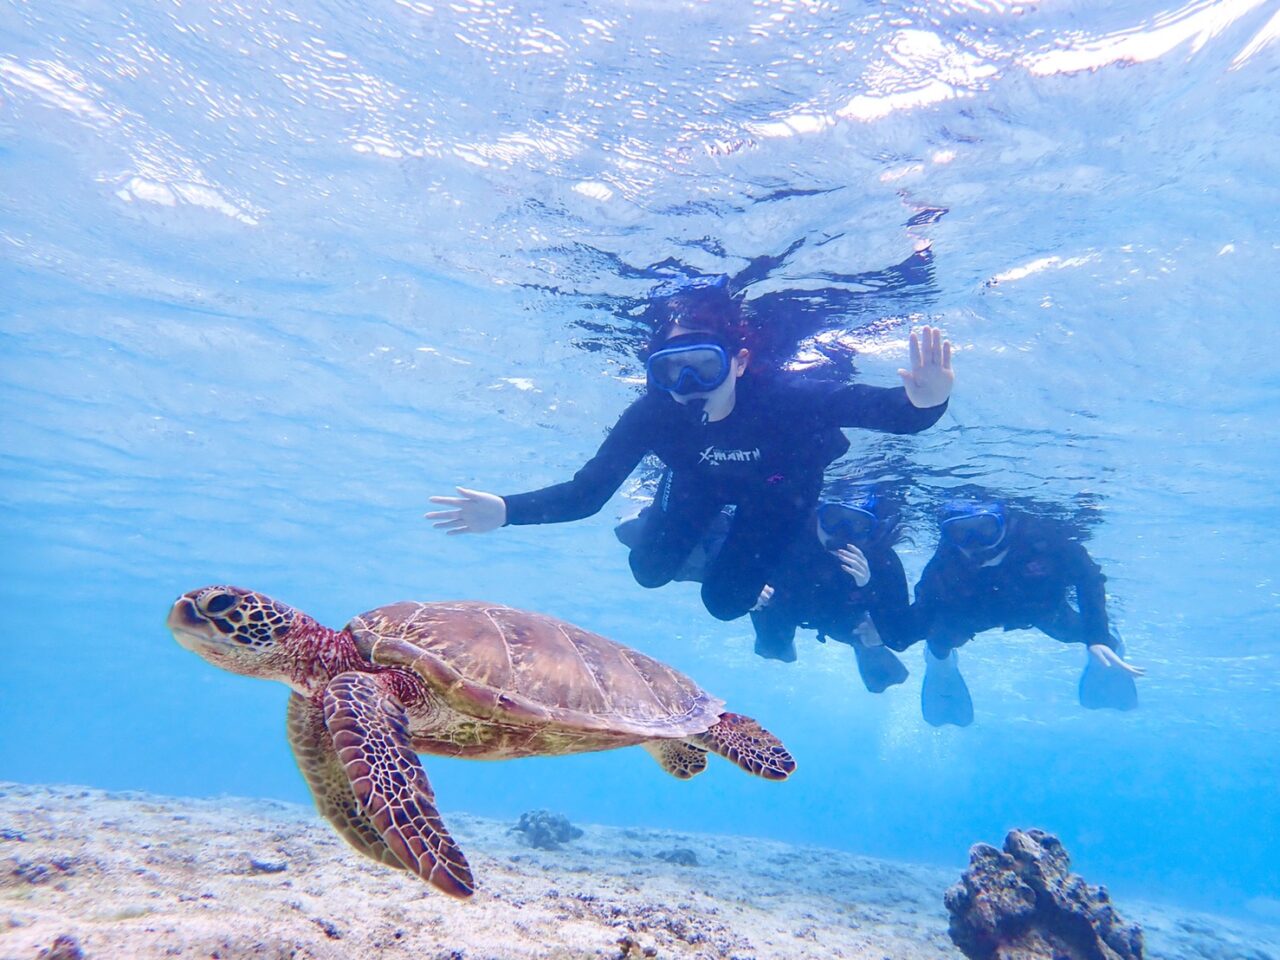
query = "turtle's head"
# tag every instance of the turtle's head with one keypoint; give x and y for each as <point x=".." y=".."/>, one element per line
<point x="238" y="630"/>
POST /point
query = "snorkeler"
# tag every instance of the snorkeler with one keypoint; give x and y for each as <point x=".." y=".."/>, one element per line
<point x="727" y="435"/>
<point x="996" y="567"/>
<point x="845" y="582"/>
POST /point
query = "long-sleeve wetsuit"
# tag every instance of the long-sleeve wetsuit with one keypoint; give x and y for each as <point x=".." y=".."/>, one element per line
<point x="811" y="590"/>
<point x="766" y="457"/>
<point x="957" y="598"/>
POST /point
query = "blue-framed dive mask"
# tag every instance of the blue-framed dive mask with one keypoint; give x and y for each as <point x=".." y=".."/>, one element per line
<point x="690" y="363"/>
<point x="850" y="521"/>
<point x="973" y="526"/>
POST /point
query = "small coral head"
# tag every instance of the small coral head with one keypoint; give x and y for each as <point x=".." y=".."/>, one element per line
<point x="236" y="629"/>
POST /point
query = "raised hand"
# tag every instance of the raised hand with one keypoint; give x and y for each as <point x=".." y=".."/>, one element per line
<point x="473" y="512"/>
<point x="854" y="562"/>
<point x="929" y="380"/>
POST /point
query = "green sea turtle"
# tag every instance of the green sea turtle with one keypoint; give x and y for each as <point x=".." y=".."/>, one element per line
<point x="458" y="679"/>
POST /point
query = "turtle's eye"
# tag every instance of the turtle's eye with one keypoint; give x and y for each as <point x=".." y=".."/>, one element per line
<point x="217" y="603"/>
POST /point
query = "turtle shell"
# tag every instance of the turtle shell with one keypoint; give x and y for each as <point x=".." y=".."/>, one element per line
<point x="509" y="665"/>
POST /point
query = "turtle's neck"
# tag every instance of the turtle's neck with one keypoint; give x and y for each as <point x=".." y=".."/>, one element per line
<point x="320" y="653"/>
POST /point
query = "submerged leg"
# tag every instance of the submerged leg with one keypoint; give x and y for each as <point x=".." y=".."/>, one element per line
<point x="749" y="745"/>
<point x="681" y="513"/>
<point x="318" y="761"/>
<point x="775" y="633"/>
<point x="371" y="733"/>
<point x="680" y="759"/>
<point x="762" y="529"/>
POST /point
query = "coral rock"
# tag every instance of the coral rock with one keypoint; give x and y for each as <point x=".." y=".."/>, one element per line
<point x="546" y="830"/>
<point x="1025" y="904"/>
<point x="681" y="856"/>
<point x="65" y="947"/>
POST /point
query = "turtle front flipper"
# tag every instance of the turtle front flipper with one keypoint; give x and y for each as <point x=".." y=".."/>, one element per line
<point x="370" y="732"/>
<point x="749" y="745"/>
<point x="324" y="773"/>
<point x="680" y="759"/>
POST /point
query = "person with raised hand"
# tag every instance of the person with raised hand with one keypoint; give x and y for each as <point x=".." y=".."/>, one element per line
<point x="727" y="434"/>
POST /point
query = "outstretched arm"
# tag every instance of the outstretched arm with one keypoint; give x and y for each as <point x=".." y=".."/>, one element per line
<point x="1091" y="595"/>
<point x="918" y="404"/>
<point x="475" y="511"/>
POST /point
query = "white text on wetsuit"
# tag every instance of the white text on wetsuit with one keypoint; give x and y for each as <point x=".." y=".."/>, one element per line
<point x="714" y="455"/>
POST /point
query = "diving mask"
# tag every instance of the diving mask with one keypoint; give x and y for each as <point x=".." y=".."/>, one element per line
<point x="973" y="526"/>
<point x="690" y="363"/>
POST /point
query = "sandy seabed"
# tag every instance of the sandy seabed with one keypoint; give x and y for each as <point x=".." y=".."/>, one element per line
<point x="133" y="876"/>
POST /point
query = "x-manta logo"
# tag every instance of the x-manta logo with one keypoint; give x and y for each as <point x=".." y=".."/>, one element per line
<point x="715" y="456"/>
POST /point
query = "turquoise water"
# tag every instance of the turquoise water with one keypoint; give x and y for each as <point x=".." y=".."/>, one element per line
<point x="274" y="274"/>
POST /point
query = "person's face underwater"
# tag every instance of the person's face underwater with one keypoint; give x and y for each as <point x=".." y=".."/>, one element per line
<point x="844" y="524"/>
<point x="978" y="532"/>
<point x="686" y="365"/>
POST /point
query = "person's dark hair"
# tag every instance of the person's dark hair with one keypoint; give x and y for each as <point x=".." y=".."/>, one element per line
<point x="704" y="304"/>
<point x="890" y="530"/>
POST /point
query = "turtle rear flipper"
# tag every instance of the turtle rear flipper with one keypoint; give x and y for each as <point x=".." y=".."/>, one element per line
<point x="370" y="733"/>
<point x="680" y="759"/>
<point x="749" y="745"/>
<point x="313" y="749"/>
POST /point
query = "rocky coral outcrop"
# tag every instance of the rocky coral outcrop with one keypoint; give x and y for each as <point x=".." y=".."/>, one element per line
<point x="65" y="947"/>
<point x="546" y="830"/>
<point x="1025" y="904"/>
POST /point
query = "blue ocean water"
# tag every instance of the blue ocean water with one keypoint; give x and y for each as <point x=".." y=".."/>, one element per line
<point x="275" y="273"/>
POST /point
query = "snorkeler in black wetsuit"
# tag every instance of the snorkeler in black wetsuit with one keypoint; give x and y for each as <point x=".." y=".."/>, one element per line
<point x="845" y="582"/>
<point x="995" y="567"/>
<point x="757" y="441"/>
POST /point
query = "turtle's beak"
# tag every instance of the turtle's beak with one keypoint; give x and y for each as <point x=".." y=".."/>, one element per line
<point x="189" y="628"/>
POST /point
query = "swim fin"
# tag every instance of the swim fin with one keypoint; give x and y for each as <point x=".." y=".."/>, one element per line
<point x="1103" y="687"/>
<point x="944" y="696"/>
<point x="878" y="666"/>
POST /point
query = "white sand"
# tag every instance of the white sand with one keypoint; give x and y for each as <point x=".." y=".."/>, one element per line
<point x="140" y="876"/>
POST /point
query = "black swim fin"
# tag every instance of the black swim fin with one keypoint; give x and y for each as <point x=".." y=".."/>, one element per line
<point x="879" y="667"/>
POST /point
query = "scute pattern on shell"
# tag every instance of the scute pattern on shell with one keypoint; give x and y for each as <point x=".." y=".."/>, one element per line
<point x="500" y="661"/>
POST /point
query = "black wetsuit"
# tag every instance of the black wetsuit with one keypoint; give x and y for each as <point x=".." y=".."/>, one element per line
<point x="957" y="598"/>
<point x="766" y="457"/>
<point x="811" y="590"/>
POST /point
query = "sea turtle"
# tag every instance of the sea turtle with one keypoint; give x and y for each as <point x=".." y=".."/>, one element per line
<point x="458" y="679"/>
